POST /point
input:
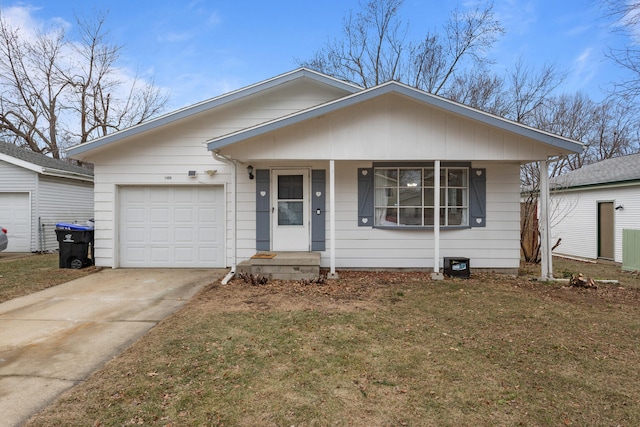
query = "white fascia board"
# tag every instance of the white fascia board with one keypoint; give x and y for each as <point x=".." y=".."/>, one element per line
<point x="436" y="101"/>
<point x="209" y="104"/>
<point x="20" y="163"/>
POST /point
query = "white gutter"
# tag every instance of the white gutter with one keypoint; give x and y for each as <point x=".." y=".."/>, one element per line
<point x="67" y="174"/>
<point x="234" y="218"/>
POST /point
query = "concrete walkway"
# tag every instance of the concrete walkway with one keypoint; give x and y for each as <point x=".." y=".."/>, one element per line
<point x="54" y="339"/>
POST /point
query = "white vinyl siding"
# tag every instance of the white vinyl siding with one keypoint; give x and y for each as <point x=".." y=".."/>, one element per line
<point x="391" y="128"/>
<point x="574" y="219"/>
<point x="61" y="200"/>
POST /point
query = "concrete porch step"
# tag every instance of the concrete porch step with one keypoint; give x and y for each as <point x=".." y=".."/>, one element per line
<point x="283" y="265"/>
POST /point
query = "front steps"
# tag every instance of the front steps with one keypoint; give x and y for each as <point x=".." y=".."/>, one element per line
<point x="283" y="265"/>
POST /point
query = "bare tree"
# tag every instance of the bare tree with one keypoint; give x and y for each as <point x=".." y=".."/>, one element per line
<point x="626" y="19"/>
<point x="58" y="92"/>
<point x="374" y="48"/>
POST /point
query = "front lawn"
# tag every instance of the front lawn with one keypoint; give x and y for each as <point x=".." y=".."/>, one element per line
<point x="378" y="349"/>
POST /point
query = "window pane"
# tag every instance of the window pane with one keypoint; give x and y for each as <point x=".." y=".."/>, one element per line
<point x="410" y="216"/>
<point x="387" y="216"/>
<point x="428" y="216"/>
<point x="429" y="177"/>
<point x="410" y="178"/>
<point x="410" y="197"/>
<point x="290" y="187"/>
<point x="457" y="197"/>
<point x="454" y="217"/>
<point x="386" y="197"/>
<point x="290" y="213"/>
<point x="428" y="196"/>
<point x="457" y="178"/>
<point x="386" y="177"/>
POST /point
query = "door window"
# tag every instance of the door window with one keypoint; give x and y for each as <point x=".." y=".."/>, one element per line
<point x="290" y="199"/>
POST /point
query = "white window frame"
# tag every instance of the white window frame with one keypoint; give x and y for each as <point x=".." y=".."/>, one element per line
<point x="386" y="211"/>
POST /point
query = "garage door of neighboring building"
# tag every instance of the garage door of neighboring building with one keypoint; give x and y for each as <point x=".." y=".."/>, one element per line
<point x="15" y="216"/>
<point x="171" y="227"/>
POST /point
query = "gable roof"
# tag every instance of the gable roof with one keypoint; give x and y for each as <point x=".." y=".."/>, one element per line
<point x="212" y="103"/>
<point x="616" y="170"/>
<point x="562" y="143"/>
<point x="42" y="164"/>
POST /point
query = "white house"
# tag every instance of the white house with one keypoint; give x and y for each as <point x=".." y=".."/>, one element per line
<point x="305" y="162"/>
<point x="593" y="205"/>
<point x="36" y="192"/>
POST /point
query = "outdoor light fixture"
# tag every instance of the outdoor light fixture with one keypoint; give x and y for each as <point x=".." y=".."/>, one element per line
<point x="619" y="207"/>
<point x="250" y="170"/>
<point x="192" y="174"/>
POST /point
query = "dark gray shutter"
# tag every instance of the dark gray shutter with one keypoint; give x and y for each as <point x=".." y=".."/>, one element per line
<point x="263" y="210"/>
<point x="478" y="198"/>
<point x="365" y="197"/>
<point x="318" y="214"/>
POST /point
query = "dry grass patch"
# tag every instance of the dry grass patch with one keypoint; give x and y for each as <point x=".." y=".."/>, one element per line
<point x="376" y="349"/>
<point x="33" y="273"/>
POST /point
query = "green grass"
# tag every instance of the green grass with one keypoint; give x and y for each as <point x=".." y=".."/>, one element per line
<point x="32" y="273"/>
<point x="486" y="351"/>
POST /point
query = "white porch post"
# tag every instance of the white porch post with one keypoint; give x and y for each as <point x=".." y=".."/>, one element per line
<point x="332" y="220"/>
<point x="436" y="275"/>
<point x="545" y="229"/>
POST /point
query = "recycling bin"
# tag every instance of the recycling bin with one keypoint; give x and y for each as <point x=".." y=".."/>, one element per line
<point x="74" y="241"/>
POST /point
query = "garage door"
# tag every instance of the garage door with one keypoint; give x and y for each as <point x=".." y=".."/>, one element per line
<point x="16" y="218"/>
<point x="171" y="227"/>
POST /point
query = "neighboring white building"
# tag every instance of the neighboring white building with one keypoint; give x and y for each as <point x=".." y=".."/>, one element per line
<point x="36" y="192"/>
<point x="593" y="204"/>
<point x="305" y="162"/>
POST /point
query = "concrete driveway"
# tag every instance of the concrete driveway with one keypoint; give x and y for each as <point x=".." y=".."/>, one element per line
<point x="53" y="339"/>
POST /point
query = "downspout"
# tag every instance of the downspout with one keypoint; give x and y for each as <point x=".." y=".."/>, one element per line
<point x="234" y="186"/>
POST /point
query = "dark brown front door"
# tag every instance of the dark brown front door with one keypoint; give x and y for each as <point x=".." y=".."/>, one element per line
<point x="605" y="230"/>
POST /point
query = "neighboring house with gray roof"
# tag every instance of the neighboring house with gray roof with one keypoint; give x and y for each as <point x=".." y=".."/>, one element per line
<point x="36" y="192"/>
<point x="593" y="204"/>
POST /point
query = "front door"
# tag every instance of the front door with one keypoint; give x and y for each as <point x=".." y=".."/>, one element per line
<point x="290" y="210"/>
<point x="606" y="246"/>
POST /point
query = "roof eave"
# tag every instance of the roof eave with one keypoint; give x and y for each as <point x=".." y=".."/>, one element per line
<point x="67" y="174"/>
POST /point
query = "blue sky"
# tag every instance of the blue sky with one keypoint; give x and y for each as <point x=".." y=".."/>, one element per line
<point x="201" y="48"/>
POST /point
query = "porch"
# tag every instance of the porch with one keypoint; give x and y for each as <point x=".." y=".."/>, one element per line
<point x="282" y="265"/>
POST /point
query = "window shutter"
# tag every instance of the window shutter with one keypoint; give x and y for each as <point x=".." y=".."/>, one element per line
<point x="263" y="208"/>
<point x="318" y="214"/>
<point x="478" y="198"/>
<point x="365" y="197"/>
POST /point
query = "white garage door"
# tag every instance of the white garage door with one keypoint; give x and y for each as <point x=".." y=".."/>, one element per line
<point x="171" y="227"/>
<point x="16" y="218"/>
